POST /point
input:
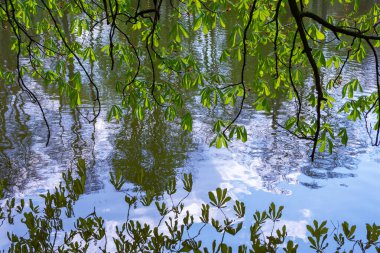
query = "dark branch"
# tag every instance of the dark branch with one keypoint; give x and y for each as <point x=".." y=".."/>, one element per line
<point x="77" y="59"/>
<point x="378" y="88"/>
<point x="242" y="72"/>
<point x="16" y="30"/>
<point x="338" y="29"/>
<point x="317" y="78"/>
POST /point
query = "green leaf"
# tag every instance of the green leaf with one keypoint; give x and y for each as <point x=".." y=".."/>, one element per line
<point x="183" y="30"/>
<point x="115" y="112"/>
<point x="187" y="122"/>
<point x="343" y="135"/>
<point x="319" y="34"/>
<point x="198" y="23"/>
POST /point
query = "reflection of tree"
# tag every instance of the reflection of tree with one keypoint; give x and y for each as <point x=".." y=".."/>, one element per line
<point x="83" y="141"/>
<point x="14" y="138"/>
<point x="153" y="146"/>
<point x="7" y="59"/>
<point x="23" y="161"/>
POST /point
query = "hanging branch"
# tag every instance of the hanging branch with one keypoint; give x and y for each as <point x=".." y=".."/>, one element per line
<point x="377" y="143"/>
<point x="344" y="63"/>
<point x="16" y="30"/>
<point x="105" y="8"/>
<point x="292" y="81"/>
<point x="137" y="57"/>
<point x="112" y="30"/>
<point x="150" y="40"/>
<point x="277" y="11"/>
<point x="242" y="71"/>
<point x="353" y="32"/>
<point x="80" y="5"/>
<point x="92" y="83"/>
<point x="298" y="98"/>
<point x="317" y="78"/>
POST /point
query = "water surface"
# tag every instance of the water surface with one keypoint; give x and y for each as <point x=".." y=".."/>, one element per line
<point x="271" y="166"/>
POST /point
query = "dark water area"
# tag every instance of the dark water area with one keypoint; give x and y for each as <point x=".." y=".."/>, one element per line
<point x="272" y="166"/>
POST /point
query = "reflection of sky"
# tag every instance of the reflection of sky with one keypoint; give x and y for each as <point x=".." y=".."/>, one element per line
<point x="253" y="173"/>
<point x="332" y="201"/>
<point x="338" y="200"/>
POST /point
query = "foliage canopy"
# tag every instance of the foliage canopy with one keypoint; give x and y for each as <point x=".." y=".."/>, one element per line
<point x="281" y="41"/>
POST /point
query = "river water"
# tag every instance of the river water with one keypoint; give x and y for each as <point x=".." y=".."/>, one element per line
<point x="271" y="166"/>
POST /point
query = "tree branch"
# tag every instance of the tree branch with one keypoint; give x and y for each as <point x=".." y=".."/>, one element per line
<point x="337" y="29"/>
<point x="317" y="78"/>
<point x="242" y="80"/>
